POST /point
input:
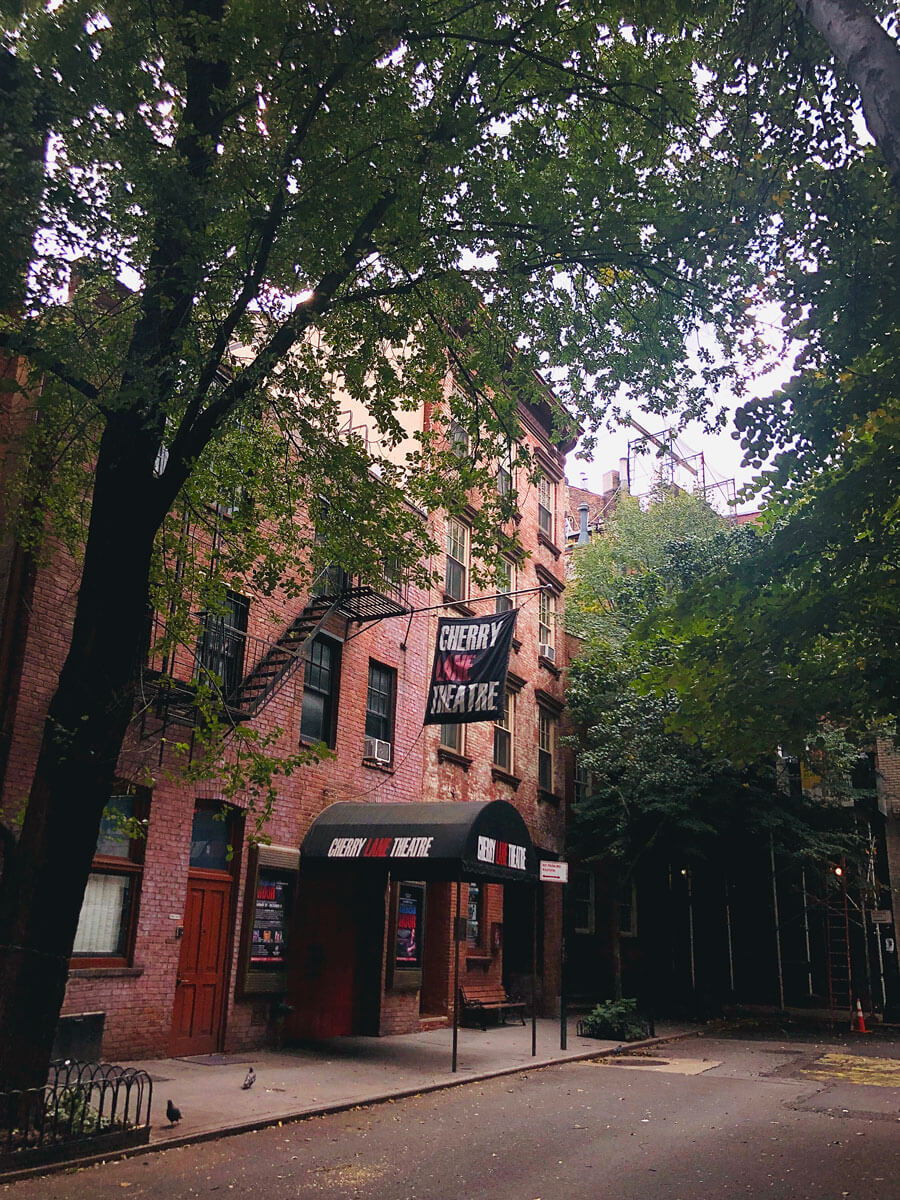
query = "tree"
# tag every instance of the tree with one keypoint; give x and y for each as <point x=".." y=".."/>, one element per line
<point x="290" y="198"/>
<point x="658" y="795"/>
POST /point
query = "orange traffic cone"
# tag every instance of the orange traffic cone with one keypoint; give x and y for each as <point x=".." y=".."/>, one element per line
<point x="858" y="1025"/>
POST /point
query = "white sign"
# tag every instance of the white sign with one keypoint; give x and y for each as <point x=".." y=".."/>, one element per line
<point x="880" y="916"/>
<point x="554" y="872"/>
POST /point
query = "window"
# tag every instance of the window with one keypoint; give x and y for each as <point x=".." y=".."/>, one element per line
<point x="475" y="916"/>
<point x="546" y="505"/>
<point x="457" y="546"/>
<point x="582" y="900"/>
<point x="458" y="438"/>
<point x="452" y="738"/>
<point x="503" y="734"/>
<point x="546" y="749"/>
<point x="220" y="651"/>
<point x="504" y="584"/>
<point x="380" y="703"/>
<point x="504" y="481"/>
<point x="318" y="718"/>
<point x="547" y="624"/>
<point x="212" y="836"/>
<point x="109" y="909"/>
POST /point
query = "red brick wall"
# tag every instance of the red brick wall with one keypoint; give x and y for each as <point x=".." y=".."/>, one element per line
<point x="138" y="999"/>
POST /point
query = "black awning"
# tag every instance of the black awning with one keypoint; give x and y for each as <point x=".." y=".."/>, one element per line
<point x="445" y="840"/>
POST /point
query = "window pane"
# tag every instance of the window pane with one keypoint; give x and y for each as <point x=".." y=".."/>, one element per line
<point x="451" y="737"/>
<point x="380" y="703"/>
<point x="546" y="613"/>
<point x="112" y="840"/>
<point x="504" y="584"/>
<point x="102" y="925"/>
<point x="209" y="840"/>
<point x="502" y="748"/>
<point x="319" y="691"/>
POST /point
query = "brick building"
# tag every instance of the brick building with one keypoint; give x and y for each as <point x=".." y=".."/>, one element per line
<point x="193" y="939"/>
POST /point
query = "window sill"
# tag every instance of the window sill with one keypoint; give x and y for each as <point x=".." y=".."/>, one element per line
<point x="445" y="754"/>
<point x="479" y="960"/>
<point x="550" y="666"/>
<point x="548" y="797"/>
<point x="120" y="972"/>
<point x="459" y="606"/>
<point x="498" y="774"/>
<point x="543" y="540"/>
<point x="371" y="765"/>
<point x="516" y="645"/>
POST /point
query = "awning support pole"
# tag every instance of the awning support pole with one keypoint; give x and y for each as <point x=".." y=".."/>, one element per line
<point x="534" y="933"/>
<point x="563" y="1014"/>
<point x="456" y="974"/>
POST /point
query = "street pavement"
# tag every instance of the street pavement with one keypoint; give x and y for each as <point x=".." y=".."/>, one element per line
<point x="703" y="1116"/>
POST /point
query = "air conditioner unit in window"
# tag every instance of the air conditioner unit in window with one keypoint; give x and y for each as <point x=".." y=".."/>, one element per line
<point x="547" y="651"/>
<point x="377" y="750"/>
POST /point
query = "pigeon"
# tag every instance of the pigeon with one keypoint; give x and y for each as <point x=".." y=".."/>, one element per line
<point x="250" y="1080"/>
<point x="173" y="1113"/>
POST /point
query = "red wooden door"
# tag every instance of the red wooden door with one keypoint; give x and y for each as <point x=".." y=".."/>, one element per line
<point x="202" y="964"/>
<point x="323" y="980"/>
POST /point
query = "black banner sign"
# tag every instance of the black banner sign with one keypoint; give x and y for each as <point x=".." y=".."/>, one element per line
<point x="468" y="679"/>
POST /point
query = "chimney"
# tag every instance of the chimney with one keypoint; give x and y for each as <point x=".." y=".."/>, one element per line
<point x="610" y="482"/>
<point x="583" y="536"/>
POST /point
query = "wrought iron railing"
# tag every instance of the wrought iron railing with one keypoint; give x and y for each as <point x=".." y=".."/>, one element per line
<point x="83" y="1109"/>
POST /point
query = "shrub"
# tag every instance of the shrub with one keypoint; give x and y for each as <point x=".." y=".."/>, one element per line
<point x="618" y="1020"/>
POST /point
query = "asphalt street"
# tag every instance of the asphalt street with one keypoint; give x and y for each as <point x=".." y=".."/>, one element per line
<point x="704" y="1117"/>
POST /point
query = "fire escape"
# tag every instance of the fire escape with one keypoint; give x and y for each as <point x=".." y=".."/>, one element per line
<point x="242" y="671"/>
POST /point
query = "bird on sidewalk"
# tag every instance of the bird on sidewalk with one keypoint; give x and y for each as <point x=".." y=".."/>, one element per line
<point x="173" y="1114"/>
<point x="250" y="1080"/>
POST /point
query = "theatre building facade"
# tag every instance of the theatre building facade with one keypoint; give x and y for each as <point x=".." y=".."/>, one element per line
<point x="393" y="873"/>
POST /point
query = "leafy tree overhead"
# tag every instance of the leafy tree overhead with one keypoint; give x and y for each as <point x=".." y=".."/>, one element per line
<point x="656" y="793"/>
<point x="291" y="195"/>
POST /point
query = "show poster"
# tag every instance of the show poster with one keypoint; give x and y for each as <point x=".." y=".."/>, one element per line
<point x="410" y="907"/>
<point x="468" y="678"/>
<point x="269" y="942"/>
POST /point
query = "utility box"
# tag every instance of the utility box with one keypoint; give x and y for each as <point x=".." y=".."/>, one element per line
<point x="79" y="1037"/>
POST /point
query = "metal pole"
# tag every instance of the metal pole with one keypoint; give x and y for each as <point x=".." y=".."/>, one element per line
<point x="534" y="928"/>
<point x="456" y="973"/>
<point x="777" y="924"/>
<point x="563" y="1032"/>
<point x="690" y="892"/>
<point x="730" y="942"/>
<point x="809" y="978"/>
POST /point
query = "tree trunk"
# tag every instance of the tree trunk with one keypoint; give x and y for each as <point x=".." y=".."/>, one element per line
<point x="43" y="885"/>
<point x="872" y="61"/>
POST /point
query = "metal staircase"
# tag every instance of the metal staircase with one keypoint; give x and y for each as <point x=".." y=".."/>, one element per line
<point x="247" y="671"/>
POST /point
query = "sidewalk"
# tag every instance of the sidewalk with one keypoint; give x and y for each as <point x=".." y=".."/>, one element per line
<point x="345" y="1072"/>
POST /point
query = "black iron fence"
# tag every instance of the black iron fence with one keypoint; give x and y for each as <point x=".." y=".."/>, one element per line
<point x="83" y="1109"/>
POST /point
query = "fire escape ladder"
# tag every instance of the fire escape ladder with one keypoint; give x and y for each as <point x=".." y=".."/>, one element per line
<point x="281" y="660"/>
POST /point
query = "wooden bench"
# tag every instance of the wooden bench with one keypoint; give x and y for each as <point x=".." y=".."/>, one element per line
<point x="482" y="998"/>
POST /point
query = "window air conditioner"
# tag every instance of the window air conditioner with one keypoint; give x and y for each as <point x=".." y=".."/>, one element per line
<point x="377" y="750"/>
<point x="547" y="651"/>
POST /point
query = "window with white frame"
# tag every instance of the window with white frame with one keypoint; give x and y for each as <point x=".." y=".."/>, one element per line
<point x="582" y="900"/>
<point x="547" y="624"/>
<point x="504" y="733"/>
<point x="546" y="505"/>
<point x="546" y="749"/>
<point x="453" y="738"/>
<point x="456" y="542"/>
<point x="505" y="585"/>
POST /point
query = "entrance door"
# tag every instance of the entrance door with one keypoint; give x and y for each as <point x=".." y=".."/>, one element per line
<point x="200" y="988"/>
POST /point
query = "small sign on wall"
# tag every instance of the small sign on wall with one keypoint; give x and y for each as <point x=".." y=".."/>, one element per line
<point x="554" y="872"/>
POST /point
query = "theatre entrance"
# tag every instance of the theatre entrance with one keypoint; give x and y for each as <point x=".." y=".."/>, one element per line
<point x="334" y="978"/>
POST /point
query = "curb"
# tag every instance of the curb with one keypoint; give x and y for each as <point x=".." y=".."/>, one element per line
<point x="321" y="1110"/>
